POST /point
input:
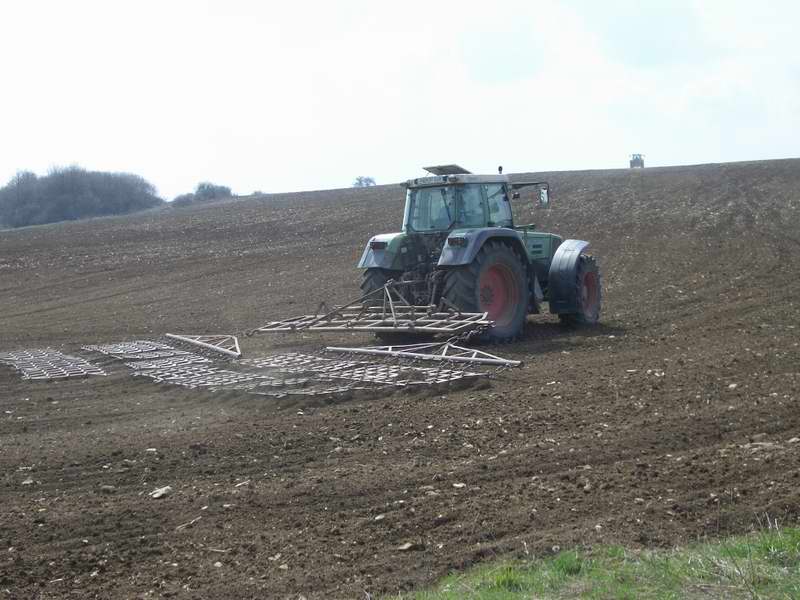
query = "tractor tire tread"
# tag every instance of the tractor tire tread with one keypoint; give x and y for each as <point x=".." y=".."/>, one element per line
<point x="587" y="262"/>
<point x="461" y="286"/>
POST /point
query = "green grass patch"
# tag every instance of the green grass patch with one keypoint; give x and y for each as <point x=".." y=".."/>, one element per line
<point x="760" y="565"/>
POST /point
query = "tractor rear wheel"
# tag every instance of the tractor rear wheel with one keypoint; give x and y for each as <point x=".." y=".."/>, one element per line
<point x="495" y="283"/>
<point x="588" y="294"/>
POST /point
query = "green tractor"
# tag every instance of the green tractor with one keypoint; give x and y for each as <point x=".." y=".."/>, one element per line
<point x="459" y="248"/>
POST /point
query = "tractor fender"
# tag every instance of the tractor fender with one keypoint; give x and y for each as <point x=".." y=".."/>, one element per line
<point x="385" y="257"/>
<point x="562" y="288"/>
<point x="474" y="239"/>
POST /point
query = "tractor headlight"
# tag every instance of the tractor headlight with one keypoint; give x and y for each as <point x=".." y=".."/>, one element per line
<point x="458" y="242"/>
<point x="376" y="245"/>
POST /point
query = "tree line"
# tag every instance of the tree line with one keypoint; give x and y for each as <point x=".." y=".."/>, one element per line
<point x="70" y="193"/>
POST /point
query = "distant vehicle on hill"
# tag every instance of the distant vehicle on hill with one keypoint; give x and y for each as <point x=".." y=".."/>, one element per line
<point x="637" y="161"/>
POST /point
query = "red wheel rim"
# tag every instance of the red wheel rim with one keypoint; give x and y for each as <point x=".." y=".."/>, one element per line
<point x="498" y="293"/>
<point x="590" y="295"/>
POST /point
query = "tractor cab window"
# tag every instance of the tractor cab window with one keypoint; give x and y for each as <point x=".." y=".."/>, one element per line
<point x="470" y="207"/>
<point x="447" y="207"/>
<point x="499" y="207"/>
<point x="430" y="209"/>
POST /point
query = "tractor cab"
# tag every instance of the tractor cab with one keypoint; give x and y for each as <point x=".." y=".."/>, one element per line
<point x="457" y="202"/>
<point x="454" y="198"/>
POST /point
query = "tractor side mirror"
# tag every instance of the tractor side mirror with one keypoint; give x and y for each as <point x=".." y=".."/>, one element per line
<point x="544" y="198"/>
<point x="541" y="186"/>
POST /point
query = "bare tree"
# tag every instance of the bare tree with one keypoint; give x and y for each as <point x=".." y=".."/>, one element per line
<point x="363" y="181"/>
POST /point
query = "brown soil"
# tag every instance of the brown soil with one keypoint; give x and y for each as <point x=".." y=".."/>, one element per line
<point x="676" y="418"/>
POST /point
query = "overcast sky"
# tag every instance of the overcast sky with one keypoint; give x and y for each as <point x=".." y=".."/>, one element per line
<point x="281" y="96"/>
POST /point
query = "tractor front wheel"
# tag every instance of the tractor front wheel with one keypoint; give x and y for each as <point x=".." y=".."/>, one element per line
<point x="495" y="283"/>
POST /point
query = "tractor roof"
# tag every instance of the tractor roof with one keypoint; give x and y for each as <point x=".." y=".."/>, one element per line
<point x="455" y="180"/>
<point x="447" y="170"/>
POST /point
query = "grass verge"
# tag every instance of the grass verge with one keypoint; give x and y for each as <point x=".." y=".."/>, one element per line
<point x="760" y="565"/>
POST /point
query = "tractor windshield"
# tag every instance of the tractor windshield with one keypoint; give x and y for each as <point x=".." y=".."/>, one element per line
<point x="444" y="207"/>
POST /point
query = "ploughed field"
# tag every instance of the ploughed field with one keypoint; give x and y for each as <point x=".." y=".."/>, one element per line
<point x="676" y="418"/>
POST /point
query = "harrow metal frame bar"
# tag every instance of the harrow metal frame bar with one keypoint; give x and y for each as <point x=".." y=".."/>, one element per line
<point x="447" y="352"/>
<point x="399" y="375"/>
<point x="392" y="314"/>
<point x="136" y="350"/>
<point x="233" y="350"/>
<point x="42" y="364"/>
